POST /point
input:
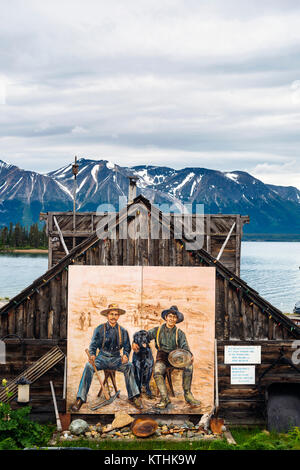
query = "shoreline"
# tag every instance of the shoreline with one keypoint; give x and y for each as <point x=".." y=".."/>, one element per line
<point x="28" y="250"/>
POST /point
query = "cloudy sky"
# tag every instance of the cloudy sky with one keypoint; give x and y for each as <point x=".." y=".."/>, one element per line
<point x="209" y="83"/>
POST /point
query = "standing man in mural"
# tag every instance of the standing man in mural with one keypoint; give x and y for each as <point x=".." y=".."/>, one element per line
<point x="168" y="338"/>
<point x="109" y="338"/>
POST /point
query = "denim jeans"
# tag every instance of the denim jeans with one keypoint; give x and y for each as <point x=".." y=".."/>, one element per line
<point x="103" y="362"/>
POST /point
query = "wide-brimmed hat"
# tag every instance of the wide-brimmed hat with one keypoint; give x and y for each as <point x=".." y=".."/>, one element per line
<point x="111" y="308"/>
<point x="175" y="311"/>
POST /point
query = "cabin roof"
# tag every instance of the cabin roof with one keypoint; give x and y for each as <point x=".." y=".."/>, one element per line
<point x="202" y="255"/>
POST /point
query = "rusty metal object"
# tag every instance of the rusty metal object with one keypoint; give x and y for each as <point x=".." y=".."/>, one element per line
<point x="217" y="425"/>
<point x="144" y="427"/>
<point x="65" y="419"/>
<point x="180" y="358"/>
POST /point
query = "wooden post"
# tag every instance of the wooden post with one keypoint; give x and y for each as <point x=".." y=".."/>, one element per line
<point x="61" y="236"/>
<point x="208" y="239"/>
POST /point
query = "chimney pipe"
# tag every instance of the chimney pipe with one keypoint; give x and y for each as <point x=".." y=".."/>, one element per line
<point x="132" y="188"/>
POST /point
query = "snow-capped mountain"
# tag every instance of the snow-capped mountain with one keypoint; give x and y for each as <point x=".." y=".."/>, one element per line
<point x="272" y="209"/>
<point x="24" y="194"/>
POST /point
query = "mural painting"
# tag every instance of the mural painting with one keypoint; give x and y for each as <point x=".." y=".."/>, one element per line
<point x="141" y="339"/>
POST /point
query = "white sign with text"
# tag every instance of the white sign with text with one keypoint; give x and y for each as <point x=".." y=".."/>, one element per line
<point x="242" y="375"/>
<point x="242" y="355"/>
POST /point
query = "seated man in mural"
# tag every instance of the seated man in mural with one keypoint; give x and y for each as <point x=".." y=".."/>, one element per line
<point x="168" y="338"/>
<point x="109" y="338"/>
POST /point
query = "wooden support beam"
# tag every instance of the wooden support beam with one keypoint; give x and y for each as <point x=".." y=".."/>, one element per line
<point x="61" y="236"/>
<point x="225" y="242"/>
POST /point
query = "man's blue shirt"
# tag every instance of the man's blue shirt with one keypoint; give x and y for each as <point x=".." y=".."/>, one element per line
<point x="112" y="343"/>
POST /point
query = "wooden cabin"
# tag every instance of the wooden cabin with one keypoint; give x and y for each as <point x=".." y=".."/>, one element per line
<point x="38" y="314"/>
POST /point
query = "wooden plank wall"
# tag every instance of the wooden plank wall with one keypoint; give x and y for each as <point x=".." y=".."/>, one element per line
<point x="245" y="404"/>
<point x="215" y="228"/>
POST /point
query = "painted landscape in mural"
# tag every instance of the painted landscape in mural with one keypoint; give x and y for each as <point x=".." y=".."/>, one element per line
<point x="143" y="293"/>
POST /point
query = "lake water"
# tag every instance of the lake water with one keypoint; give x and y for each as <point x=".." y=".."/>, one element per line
<point x="271" y="268"/>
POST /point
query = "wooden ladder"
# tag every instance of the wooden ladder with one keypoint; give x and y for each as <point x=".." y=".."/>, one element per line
<point x="34" y="372"/>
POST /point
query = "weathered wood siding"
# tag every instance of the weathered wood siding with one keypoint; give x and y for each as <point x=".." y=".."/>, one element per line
<point x="215" y="230"/>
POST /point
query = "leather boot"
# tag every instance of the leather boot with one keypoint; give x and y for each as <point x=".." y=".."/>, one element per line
<point x="137" y="402"/>
<point x="161" y="385"/>
<point x="77" y="405"/>
<point x="186" y="385"/>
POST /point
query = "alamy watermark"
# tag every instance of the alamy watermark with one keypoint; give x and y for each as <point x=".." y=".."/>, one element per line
<point x="160" y="221"/>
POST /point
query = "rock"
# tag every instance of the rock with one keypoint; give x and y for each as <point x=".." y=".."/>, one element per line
<point x="107" y="428"/>
<point x="266" y="432"/>
<point x="204" y="421"/>
<point x="190" y="434"/>
<point x="78" y="426"/>
<point x="189" y="424"/>
<point x="176" y="434"/>
<point x="121" y="420"/>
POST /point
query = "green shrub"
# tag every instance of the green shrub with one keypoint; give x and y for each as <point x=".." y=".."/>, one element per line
<point x="17" y="428"/>
<point x="8" y="444"/>
<point x="260" y="441"/>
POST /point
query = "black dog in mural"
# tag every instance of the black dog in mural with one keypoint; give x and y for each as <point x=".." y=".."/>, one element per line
<point x="143" y="361"/>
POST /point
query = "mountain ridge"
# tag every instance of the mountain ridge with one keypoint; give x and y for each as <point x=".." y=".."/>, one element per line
<point x="25" y="193"/>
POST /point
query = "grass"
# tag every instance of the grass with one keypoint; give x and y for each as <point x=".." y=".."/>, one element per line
<point x="145" y="444"/>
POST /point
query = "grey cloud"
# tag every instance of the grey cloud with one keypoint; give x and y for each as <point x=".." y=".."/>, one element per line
<point x="133" y="84"/>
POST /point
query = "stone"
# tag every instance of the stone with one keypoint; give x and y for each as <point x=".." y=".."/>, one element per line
<point x="78" y="426"/>
<point x="189" y="424"/>
<point x="107" y="428"/>
<point x="121" y="420"/>
<point x="190" y="434"/>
